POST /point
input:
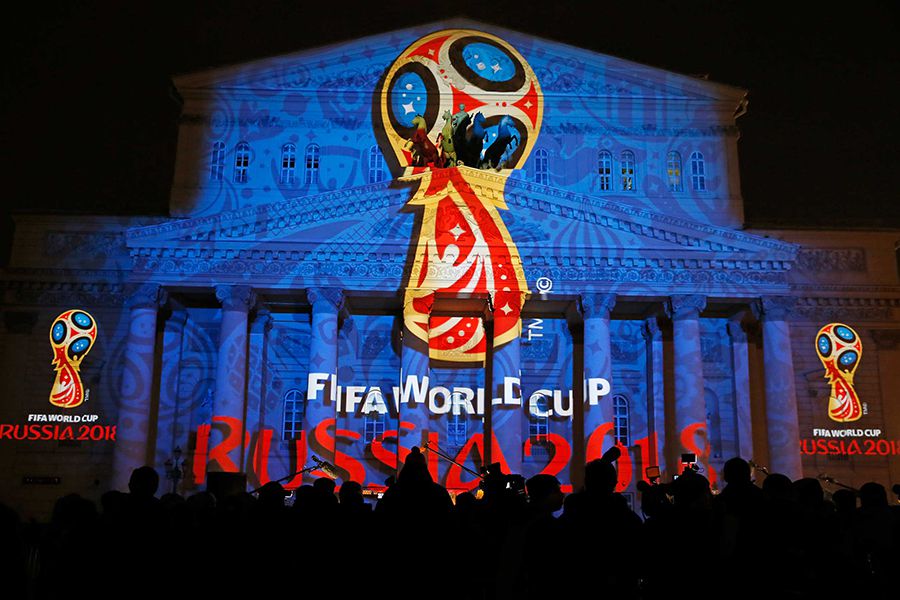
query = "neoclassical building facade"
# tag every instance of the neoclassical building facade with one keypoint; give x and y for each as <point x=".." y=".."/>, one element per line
<point x="496" y="247"/>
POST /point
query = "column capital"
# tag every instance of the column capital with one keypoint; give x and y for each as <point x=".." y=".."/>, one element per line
<point x="236" y="297"/>
<point x="596" y="305"/>
<point x="325" y="298"/>
<point x="178" y="318"/>
<point x="262" y="323"/>
<point x="774" y="308"/>
<point x="736" y="331"/>
<point x="886" y="339"/>
<point x="650" y="329"/>
<point x="685" y="306"/>
<point x="146" y="295"/>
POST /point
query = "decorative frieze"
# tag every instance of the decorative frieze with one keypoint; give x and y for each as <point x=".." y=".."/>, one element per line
<point x="84" y="244"/>
<point x="847" y="308"/>
<point x="832" y="259"/>
<point x="57" y="293"/>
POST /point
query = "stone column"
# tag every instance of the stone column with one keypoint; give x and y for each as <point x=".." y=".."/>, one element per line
<point x="598" y="410"/>
<point x="321" y="388"/>
<point x="133" y="448"/>
<point x="656" y="398"/>
<point x="691" y="433"/>
<point x="508" y="417"/>
<point x="231" y="376"/>
<point x="169" y="431"/>
<point x="257" y="383"/>
<point x="781" y="397"/>
<point x="414" y="373"/>
<point x="740" y="365"/>
<point x="887" y="344"/>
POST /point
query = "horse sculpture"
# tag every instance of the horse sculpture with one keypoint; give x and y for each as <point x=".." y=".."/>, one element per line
<point x="424" y="153"/>
<point x="469" y="151"/>
<point x="493" y="156"/>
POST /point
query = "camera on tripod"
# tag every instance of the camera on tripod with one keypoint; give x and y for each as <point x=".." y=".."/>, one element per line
<point x="495" y="479"/>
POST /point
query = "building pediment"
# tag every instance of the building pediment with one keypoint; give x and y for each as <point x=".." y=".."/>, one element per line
<point x="358" y="65"/>
<point x="377" y="225"/>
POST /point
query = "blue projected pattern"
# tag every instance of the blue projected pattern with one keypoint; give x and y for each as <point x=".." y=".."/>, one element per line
<point x="82" y="320"/>
<point x="824" y="345"/>
<point x="59" y="332"/>
<point x="489" y="61"/>
<point x="848" y="358"/>
<point x="844" y="333"/>
<point x="408" y="98"/>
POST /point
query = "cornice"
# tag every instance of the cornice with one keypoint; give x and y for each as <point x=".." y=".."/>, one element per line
<point x="267" y="221"/>
<point x="631" y="213"/>
<point x="278" y="216"/>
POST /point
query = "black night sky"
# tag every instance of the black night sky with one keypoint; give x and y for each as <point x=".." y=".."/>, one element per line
<point x="89" y="120"/>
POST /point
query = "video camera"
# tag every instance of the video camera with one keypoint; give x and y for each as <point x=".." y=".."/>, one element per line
<point x="495" y="480"/>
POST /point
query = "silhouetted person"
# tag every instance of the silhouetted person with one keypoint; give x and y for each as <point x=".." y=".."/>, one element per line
<point x="738" y="509"/>
<point x="681" y="540"/>
<point x="598" y="517"/>
<point x="12" y="553"/>
<point x="414" y="513"/>
<point x="874" y="540"/>
<point x="70" y="538"/>
<point x="542" y="535"/>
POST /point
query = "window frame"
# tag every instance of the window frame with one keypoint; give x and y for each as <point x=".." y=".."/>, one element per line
<point x="627" y="171"/>
<point x="312" y="157"/>
<point x="217" y="161"/>
<point x="674" y="180"/>
<point x="377" y="165"/>
<point x="698" y="172"/>
<point x="605" y="178"/>
<point x="242" y="162"/>
<point x="292" y="398"/>
<point x="288" y="164"/>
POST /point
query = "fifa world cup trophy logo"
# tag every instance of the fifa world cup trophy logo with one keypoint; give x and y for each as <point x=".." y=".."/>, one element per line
<point x="840" y="349"/>
<point x="454" y="103"/>
<point x="71" y="337"/>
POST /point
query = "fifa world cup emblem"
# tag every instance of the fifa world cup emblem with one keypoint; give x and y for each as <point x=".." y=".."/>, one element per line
<point x="454" y="103"/>
<point x="71" y="336"/>
<point x="840" y="350"/>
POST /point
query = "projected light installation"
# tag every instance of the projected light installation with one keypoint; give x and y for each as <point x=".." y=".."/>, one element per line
<point x="840" y="350"/>
<point x="463" y="245"/>
<point x="71" y="336"/>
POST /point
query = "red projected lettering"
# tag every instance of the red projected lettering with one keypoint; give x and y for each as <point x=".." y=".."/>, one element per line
<point x="864" y="447"/>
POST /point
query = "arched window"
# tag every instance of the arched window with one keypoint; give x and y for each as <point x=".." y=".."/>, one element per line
<point x="288" y="163"/>
<point x="457" y="430"/>
<point x="312" y="165"/>
<point x="673" y="171"/>
<point x="698" y="172"/>
<point x="538" y="417"/>
<point x="241" y="162"/>
<point x="627" y="171"/>
<point x="217" y="162"/>
<point x="542" y="167"/>
<point x="621" y="419"/>
<point x="375" y="424"/>
<point x="376" y="165"/>
<point x="294" y="408"/>
<point x="604" y="168"/>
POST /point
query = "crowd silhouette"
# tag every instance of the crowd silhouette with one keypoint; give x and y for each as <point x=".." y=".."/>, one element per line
<point x="780" y="539"/>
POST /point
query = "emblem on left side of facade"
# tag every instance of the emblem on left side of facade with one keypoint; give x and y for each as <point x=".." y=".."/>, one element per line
<point x="72" y="336"/>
